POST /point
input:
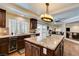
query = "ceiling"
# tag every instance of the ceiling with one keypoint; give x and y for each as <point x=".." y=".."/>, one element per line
<point x="60" y="11"/>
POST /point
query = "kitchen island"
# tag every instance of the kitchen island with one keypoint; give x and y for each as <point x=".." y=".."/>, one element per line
<point x="50" y="46"/>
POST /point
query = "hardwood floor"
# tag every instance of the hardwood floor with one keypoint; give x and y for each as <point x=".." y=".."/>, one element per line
<point x="17" y="54"/>
<point x="71" y="48"/>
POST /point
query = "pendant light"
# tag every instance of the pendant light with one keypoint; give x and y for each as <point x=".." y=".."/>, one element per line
<point x="46" y="17"/>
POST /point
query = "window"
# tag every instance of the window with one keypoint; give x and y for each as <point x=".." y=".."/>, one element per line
<point x="42" y="29"/>
<point x="12" y="26"/>
<point x="17" y="27"/>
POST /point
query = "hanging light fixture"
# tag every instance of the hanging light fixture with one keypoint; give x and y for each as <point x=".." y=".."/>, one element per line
<point x="46" y="17"/>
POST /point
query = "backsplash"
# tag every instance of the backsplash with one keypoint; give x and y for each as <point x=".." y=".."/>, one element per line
<point x="4" y="31"/>
<point x="33" y="31"/>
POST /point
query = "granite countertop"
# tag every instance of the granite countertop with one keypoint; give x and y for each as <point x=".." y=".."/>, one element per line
<point x="5" y="36"/>
<point x="50" y="42"/>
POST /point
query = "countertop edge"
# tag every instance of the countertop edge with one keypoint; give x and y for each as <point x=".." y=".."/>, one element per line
<point x="6" y="36"/>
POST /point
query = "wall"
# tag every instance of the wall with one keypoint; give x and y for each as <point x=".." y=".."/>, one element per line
<point x="58" y="27"/>
<point x="73" y="27"/>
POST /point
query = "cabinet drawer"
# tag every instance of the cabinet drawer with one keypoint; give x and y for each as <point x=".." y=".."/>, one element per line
<point x="3" y="40"/>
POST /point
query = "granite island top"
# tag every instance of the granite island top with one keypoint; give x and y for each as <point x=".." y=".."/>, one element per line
<point x="6" y="36"/>
<point x="51" y="42"/>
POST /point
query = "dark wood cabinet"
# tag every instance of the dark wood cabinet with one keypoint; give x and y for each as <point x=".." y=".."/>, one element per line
<point x="33" y="23"/>
<point x="72" y="35"/>
<point x="20" y="43"/>
<point x="35" y="50"/>
<point x="32" y="49"/>
<point x="28" y="49"/>
<point x="60" y="49"/>
<point x="14" y="43"/>
<point x="4" y="45"/>
<point x="2" y="18"/>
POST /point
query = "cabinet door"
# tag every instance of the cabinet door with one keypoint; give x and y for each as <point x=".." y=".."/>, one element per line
<point x="27" y="49"/>
<point x="31" y="49"/>
<point x="4" y="47"/>
<point x="35" y="50"/>
<point x="2" y="18"/>
<point x="20" y="43"/>
<point x="62" y="48"/>
<point x="33" y="23"/>
<point x="58" y="51"/>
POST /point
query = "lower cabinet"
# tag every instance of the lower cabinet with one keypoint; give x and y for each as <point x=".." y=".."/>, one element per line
<point x="58" y="51"/>
<point x="31" y="49"/>
<point x="27" y="49"/>
<point x="20" y="43"/>
<point x="7" y="44"/>
<point x="4" y="46"/>
<point x="36" y="50"/>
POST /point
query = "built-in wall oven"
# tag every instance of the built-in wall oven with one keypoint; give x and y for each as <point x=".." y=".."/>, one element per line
<point x="12" y="44"/>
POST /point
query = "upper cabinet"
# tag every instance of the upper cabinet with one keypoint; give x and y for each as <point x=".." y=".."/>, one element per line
<point x="33" y="23"/>
<point x="2" y="18"/>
